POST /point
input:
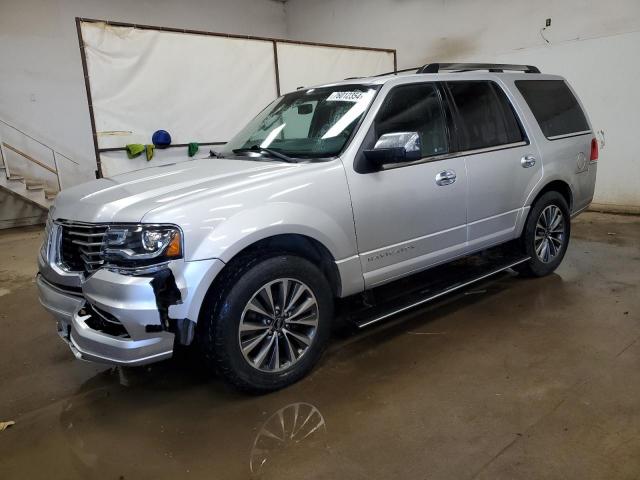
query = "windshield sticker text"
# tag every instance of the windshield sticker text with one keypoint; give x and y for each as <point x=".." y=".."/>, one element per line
<point x="344" y="97"/>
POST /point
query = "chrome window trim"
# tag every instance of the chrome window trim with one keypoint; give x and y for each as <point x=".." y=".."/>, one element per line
<point x="445" y="156"/>
<point x="464" y="153"/>
<point x="567" y="135"/>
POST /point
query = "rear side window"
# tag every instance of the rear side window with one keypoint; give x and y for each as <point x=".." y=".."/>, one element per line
<point x="554" y="106"/>
<point x="415" y="108"/>
<point x="483" y="115"/>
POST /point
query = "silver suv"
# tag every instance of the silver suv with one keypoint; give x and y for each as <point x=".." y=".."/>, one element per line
<point x="330" y="192"/>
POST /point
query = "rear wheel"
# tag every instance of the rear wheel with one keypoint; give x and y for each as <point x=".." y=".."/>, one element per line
<point x="269" y="324"/>
<point x="546" y="235"/>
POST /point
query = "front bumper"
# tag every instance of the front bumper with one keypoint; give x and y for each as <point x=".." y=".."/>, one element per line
<point x="115" y="319"/>
<point x="90" y="344"/>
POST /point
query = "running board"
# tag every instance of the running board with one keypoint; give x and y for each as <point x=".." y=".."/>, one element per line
<point x="422" y="288"/>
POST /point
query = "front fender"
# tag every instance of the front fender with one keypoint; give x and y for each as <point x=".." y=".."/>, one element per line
<point x="246" y="227"/>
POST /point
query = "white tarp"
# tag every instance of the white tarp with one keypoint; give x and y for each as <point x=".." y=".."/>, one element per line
<point x="302" y="65"/>
<point x="200" y="88"/>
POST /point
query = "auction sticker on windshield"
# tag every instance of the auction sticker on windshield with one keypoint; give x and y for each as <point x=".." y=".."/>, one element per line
<point x="345" y="96"/>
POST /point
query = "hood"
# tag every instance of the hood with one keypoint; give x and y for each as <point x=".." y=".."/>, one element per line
<point x="127" y="197"/>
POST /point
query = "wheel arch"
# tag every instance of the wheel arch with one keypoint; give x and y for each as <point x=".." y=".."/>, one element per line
<point x="552" y="185"/>
<point x="300" y="245"/>
<point x="556" y="185"/>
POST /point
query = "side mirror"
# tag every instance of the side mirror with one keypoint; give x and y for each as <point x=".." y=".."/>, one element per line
<point x="395" y="148"/>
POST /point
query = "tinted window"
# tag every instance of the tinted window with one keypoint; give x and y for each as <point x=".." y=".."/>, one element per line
<point x="415" y="108"/>
<point x="484" y="116"/>
<point x="554" y="106"/>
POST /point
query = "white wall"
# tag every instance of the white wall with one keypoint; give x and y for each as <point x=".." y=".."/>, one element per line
<point x="41" y="81"/>
<point x="592" y="43"/>
<point x="605" y="75"/>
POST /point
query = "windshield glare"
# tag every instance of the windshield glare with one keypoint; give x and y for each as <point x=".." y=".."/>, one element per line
<point x="311" y="123"/>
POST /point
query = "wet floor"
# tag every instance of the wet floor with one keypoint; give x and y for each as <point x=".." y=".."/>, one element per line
<point x="515" y="379"/>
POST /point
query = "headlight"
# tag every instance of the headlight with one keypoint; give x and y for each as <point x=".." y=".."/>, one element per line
<point x="141" y="245"/>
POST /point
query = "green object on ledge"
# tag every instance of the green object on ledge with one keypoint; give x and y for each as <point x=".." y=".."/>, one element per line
<point x="134" y="150"/>
<point x="193" y="148"/>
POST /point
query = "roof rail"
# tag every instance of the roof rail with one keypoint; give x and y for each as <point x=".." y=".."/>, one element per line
<point x="492" y="67"/>
<point x="396" y="71"/>
<point x="460" y="67"/>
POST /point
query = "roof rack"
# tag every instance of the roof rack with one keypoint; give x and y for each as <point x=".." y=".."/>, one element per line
<point x="463" y="67"/>
<point x="393" y="72"/>
<point x="396" y="71"/>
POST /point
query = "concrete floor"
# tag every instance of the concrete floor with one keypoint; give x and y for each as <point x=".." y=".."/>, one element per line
<point x="528" y="379"/>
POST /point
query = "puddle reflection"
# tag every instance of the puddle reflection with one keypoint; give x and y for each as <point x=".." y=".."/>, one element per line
<point x="152" y="423"/>
<point x="285" y="430"/>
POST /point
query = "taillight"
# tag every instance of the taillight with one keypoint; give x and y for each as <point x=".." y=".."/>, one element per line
<point x="594" y="150"/>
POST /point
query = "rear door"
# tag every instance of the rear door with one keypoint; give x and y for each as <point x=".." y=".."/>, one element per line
<point x="503" y="167"/>
<point x="567" y="149"/>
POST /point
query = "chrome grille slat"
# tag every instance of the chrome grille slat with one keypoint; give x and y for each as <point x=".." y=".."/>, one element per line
<point x="80" y="246"/>
<point x="89" y="253"/>
<point x="82" y="234"/>
<point x="85" y="259"/>
<point x="88" y="260"/>
<point x="81" y="225"/>
<point x="87" y="244"/>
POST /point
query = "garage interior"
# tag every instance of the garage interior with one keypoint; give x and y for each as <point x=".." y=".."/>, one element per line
<point x="508" y="378"/>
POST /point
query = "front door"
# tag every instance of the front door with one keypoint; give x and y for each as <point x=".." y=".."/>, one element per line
<point x="409" y="215"/>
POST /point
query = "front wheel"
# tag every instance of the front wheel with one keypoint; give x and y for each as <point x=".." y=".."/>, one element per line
<point x="546" y="235"/>
<point x="269" y="324"/>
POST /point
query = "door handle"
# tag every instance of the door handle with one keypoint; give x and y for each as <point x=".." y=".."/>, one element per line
<point x="528" y="161"/>
<point x="446" y="177"/>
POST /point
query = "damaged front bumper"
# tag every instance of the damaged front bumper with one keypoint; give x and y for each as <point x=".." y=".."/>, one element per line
<point x="124" y="319"/>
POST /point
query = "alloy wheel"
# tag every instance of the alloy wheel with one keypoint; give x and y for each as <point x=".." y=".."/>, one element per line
<point x="278" y="325"/>
<point x="549" y="234"/>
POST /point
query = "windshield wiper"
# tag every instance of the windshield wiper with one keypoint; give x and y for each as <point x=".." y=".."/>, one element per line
<point x="273" y="153"/>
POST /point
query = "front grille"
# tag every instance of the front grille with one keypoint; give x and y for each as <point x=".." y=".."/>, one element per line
<point x="80" y="246"/>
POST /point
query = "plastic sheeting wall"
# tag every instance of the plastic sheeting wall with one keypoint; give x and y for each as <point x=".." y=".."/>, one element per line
<point x="306" y="65"/>
<point x="199" y="87"/>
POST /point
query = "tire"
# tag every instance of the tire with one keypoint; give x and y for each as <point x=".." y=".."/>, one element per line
<point x="557" y="238"/>
<point x="251" y="289"/>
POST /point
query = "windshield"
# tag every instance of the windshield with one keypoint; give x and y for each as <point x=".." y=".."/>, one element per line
<point x="311" y="123"/>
